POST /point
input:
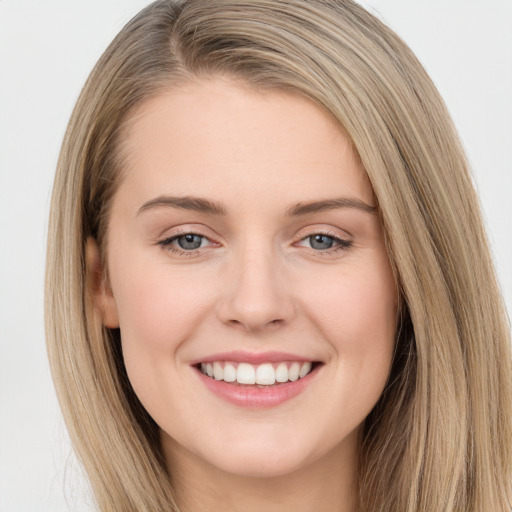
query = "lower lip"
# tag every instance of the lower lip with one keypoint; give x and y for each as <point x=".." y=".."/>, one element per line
<point x="253" y="397"/>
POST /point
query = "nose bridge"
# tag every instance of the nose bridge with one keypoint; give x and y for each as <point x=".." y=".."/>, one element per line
<point x="257" y="296"/>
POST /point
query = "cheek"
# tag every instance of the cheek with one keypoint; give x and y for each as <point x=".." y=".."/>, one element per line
<point x="157" y="307"/>
<point x="359" y="303"/>
<point x="356" y="313"/>
<point x="158" y="311"/>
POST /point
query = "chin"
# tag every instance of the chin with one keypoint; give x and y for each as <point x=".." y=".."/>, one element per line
<point x="258" y="466"/>
<point x="265" y="456"/>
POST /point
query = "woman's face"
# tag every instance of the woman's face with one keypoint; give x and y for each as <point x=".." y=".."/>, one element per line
<point x="243" y="241"/>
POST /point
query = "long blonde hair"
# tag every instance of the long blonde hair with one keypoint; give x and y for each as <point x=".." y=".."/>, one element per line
<point x="440" y="437"/>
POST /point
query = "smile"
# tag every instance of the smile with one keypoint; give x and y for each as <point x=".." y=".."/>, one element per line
<point x="266" y="374"/>
<point x="256" y="381"/>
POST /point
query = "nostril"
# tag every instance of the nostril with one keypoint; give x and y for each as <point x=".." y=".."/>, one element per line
<point x="256" y="326"/>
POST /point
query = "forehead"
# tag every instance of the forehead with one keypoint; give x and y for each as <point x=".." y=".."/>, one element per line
<point x="205" y="135"/>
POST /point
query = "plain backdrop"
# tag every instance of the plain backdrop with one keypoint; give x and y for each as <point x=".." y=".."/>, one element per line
<point x="47" y="49"/>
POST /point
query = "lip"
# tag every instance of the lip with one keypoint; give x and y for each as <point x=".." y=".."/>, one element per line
<point x="240" y="356"/>
<point x="253" y="397"/>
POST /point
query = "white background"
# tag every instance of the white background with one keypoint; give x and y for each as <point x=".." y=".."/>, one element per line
<point x="47" y="48"/>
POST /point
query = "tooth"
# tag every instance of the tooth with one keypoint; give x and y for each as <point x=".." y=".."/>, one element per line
<point x="245" y="374"/>
<point x="229" y="373"/>
<point x="265" y="375"/>
<point x="282" y="372"/>
<point x="305" y="369"/>
<point x="293" y="372"/>
<point x="218" y="372"/>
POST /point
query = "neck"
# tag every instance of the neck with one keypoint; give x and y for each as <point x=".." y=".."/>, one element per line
<point x="328" y="484"/>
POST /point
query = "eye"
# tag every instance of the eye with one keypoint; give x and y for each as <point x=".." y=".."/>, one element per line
<point x="185" y="243"/>
<point x="322" y="242"/>
<point x="190" y="241"/>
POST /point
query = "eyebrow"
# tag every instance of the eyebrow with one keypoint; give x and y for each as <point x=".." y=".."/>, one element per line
<point x="202" y="205"/>
<point x="196" y="204"/>
<point x="330" y="204"/>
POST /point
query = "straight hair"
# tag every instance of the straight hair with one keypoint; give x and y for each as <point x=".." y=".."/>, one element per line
<point x="439" y="437"/>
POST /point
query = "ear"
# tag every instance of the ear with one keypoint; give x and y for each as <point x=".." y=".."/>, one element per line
<point x="99" y="289"/>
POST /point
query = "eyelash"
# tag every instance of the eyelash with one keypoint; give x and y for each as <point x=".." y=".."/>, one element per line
<point x="166" y="243"/>
<point x="340" y="243"/>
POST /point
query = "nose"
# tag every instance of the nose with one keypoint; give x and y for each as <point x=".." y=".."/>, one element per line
<point x="257" y="296"/>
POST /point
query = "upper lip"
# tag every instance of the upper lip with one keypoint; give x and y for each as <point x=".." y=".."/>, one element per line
<point x="241" y="356"/>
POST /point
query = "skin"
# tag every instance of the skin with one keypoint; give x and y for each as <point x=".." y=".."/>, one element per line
<point x="257" y="284"/>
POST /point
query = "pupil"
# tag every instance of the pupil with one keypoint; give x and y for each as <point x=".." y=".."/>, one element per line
<point x="321" y="242"/>
<point x="190" y="242"/>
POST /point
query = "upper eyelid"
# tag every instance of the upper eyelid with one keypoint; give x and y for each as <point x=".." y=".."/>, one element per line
<point x="178" y="231"/>
<point x="175" y="236"/>
<point x="333" y="232"/>
<point x="340" y="242"/>
<point x="300" y="234"/>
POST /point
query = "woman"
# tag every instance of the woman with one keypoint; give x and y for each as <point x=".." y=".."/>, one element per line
<point x="266" y="296"/>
